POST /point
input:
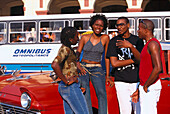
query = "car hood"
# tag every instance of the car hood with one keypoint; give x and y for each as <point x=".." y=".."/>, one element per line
<point x="38" y="85"/>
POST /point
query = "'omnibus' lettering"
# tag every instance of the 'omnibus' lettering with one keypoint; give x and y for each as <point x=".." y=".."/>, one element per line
<point x="16" y="51"/>
<point x="32" y="51"/>
<point x="23" y="51"/>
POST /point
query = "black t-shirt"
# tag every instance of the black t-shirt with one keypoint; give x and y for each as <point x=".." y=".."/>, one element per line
<point x="127" y="73"/>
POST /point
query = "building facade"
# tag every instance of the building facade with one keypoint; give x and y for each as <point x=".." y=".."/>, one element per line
<point x="45" y="7"/>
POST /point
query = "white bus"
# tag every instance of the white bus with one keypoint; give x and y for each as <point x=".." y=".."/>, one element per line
<point x="31" y="43"/>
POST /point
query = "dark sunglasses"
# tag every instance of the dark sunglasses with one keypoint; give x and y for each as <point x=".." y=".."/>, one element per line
<point x="121" y="25"/>
<point x="141" y="21"/>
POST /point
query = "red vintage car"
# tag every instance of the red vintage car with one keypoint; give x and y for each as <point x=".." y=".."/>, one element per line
<point x="29" y="93"/>
<point x="37" y="93"/>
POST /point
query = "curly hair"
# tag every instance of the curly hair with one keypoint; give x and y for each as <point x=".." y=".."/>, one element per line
<point x="99" y="17"/>
<point x="66" y="33"/>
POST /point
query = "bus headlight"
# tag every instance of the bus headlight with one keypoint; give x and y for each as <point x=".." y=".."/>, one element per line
<point x="25" y="100"/>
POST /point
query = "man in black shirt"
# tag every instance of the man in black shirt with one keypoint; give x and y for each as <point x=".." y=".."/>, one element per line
<point x="123" y="61"/>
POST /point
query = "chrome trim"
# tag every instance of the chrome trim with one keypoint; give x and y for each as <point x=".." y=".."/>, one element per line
<point x="11" y="109"/>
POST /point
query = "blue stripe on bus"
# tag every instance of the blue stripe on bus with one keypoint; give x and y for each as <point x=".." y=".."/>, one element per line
<point x="46" y="67"/>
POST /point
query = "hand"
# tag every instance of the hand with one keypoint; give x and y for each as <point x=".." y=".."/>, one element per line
<point x="123" y="44"/>
<point x="111" y="83"/>
<point x="83" y="89"/>
<point x="82" y="71"/>
<point x="72" y="79"/>
<point x="145" y="88"/>
<point x="135" y="96"/>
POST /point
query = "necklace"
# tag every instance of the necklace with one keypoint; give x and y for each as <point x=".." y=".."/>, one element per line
<point x="149" y="39"/>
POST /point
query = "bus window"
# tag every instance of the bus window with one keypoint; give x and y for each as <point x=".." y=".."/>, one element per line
<point x="132" y="25"/>
<point x="16" y="27"/>
<point x="3" y="38"/>
<point x="112" y="34"/>
<point x="157" y="30"/>
<point x="81" y="24"/>
<point x="112" y="30"/>
<point x="50" y="30"/>
<point x="22" y="32"/>
<point x="167" y="29"/>
<point x="158" y="26"/>
<point x="83" y="27"/>
<point x="112" y="24"/>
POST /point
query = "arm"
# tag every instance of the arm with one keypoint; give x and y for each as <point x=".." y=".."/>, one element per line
<point x="154" y="50"/>
<point x="126" y="44"/>
<point x="79" y="50"/>
<point x="135" y="96"/>
<point x="120" y="63"/>
<point x="107" y="61"/>
<point x="83" y="71"/>
<point x="56" y="67"/>
<point x="81" y="44"/>
<point x="107" y="64"/>
<point x="57" y="70"/>
<point x="113" y="55"/>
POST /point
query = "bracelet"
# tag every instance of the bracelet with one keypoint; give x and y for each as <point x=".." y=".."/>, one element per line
<point x="78" y="60"/>
<point x="77" y="56"/>
<point x="134" y="59"/>
<point x="68" y="82"/>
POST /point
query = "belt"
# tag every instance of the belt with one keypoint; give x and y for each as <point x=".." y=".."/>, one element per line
<point x="92" y="65"/>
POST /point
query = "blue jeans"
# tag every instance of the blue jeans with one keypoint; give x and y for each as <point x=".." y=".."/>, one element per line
<point x="73" y="99"/>
<point x="97" y="76"/>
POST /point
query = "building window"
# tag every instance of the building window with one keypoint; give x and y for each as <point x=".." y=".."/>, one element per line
<point x="17" y="10"/>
